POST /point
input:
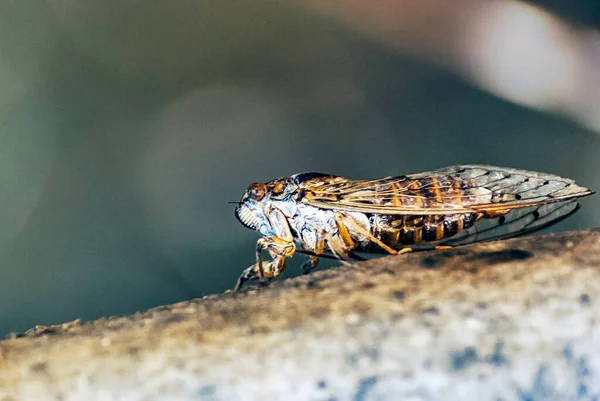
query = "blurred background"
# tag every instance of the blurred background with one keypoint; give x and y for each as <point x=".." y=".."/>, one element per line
<point x="126" y="126"/>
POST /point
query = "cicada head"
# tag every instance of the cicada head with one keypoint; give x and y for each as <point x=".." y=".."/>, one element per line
<point x="250" y="210"/>
<point x="257" y="200"/>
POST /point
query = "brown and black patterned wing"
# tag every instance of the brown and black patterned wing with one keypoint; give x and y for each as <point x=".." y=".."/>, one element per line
<point x="451" y="190"/>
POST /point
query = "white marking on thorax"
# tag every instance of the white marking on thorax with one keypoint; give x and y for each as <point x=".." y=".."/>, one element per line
<point x="309" y="223"/>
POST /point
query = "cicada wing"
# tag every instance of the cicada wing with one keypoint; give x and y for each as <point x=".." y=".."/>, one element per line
<point x="452" y="190"/>
<point x="516" y="222"/>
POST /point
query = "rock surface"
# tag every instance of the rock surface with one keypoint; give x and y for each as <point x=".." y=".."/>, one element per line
<point x="510" y="320"/>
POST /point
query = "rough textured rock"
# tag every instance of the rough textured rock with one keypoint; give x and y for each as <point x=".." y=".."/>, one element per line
<point x="510" y="320"/>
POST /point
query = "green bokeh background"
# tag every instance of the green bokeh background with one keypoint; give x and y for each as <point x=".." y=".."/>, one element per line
<point x="126" y="126"/>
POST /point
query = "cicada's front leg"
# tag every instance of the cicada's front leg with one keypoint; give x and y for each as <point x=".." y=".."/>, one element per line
<point x="279" y="247"/>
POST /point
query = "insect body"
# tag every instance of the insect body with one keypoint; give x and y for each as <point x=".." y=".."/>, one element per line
<point x="321" y="214"/>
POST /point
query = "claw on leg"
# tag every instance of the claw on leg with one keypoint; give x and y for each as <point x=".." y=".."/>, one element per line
<point x="279" y="249"/>
<point x="270" y="269"/>
<point x="276" y="246"/>
<point x="250" y="273"/>
<point x="309" y="264"/>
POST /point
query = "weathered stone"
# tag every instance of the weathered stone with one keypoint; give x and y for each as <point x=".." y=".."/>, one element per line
<point x="509" y="320"/>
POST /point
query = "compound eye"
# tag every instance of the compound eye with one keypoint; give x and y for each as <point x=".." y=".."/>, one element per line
<point x="256" y="191"/>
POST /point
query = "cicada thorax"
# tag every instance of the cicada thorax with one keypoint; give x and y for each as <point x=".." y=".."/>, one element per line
<point x="397" y="231"/>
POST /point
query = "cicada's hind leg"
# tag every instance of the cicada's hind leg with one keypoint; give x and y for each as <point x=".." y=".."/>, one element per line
<point x="344" y="222"/>
<point x="279" y="249"/>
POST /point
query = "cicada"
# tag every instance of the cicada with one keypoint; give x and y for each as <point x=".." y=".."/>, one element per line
<point x="326" y="215"/>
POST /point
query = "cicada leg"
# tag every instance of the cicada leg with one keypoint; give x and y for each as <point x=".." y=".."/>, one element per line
<point x="279" y="249"/>
<point x="309" y="264"/>
<point x="344" y="222"/>
<point x="271" y="269"/>
<point x="313" y="260"/>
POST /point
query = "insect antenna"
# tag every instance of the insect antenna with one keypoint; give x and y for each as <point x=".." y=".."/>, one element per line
<point x="235" y="202"/>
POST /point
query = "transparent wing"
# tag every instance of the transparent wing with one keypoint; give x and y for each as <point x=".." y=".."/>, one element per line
<point x="451" y="190"/>
<point x="516" y="222"/>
